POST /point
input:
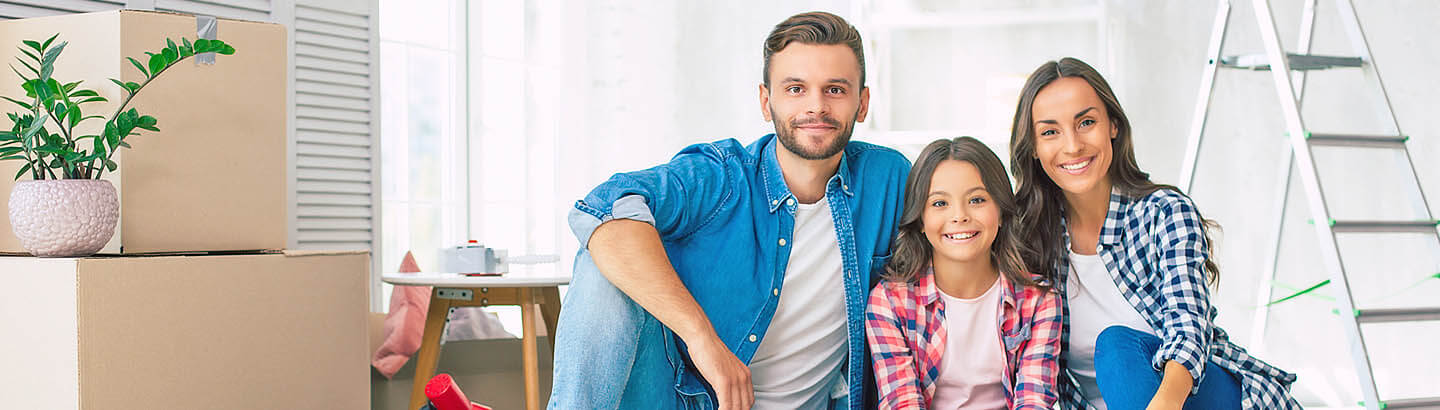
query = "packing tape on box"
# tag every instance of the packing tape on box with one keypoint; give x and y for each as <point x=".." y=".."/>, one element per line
<point x="206" y="27"/>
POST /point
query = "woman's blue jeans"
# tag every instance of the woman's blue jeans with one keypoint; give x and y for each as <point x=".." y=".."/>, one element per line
<point x="1128" y="380"/>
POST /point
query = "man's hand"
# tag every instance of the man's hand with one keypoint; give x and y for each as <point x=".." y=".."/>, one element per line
<point x="727" y="375"/>
<point x="631" y="256"/>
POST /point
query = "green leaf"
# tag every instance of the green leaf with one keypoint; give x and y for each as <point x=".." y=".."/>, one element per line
<point x="52" y="54"/>
<point x="111" y="137"/>
<point x="157" y="63"/>
<point x="170" y="56"/>
<point x="202" y="46"/>
<point x="71" y="87"/>
<point x="111" y="165"/>
<point x="124" y="144"/>
<point x="43" y="92"/>
<point x="124" y="123"/>
<point x="185" y="42"/>
<point x="74" y="115"/>
<point x="18" y="102"/>
<point x="146" y="121"/>
<point x="169" y="44"/>
<point x="49" y="40"/>
<point x="84" y="93"/>
<point x="23" y="170"/>
<point x="227" y="50"/>
<point x="138" y="66"/>
<point x="12" y="157"/>
<point x="35" y="45"/>
<point x="32" y="56"/>
<point x="10" y="150"/>
<point x="132" y="86"/>
<point x="29" y="87"/>
<point x="28" y="67"/>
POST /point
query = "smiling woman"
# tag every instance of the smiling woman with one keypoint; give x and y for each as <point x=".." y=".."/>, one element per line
<point x="1131" y="257"/>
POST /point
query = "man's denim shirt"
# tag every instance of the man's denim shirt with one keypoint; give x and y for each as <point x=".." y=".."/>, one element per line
<point x="726" y="217"/>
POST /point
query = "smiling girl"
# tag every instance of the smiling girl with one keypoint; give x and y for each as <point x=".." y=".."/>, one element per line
<point x="1131" y="257"/>
<point x="957" y="322"/>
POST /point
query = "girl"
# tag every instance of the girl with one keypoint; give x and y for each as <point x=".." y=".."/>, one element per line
<point x="956" y="322"/>
<point x="1130" y="256"/>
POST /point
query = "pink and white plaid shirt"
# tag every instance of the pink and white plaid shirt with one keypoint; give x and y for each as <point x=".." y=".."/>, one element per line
<point x="905" y="326"/>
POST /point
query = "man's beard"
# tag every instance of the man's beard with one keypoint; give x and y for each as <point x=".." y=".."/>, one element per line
<point x="787" y="137"/>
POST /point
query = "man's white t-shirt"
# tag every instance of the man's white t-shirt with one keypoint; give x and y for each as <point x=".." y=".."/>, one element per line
<point x="800" y="360"/>
<point x="1095" y="304"/>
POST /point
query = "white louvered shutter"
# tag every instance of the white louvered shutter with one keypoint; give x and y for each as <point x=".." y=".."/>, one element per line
<point x="19" y="9"/>
<point x="253" y="10"/>
<point x="335" y="131"/>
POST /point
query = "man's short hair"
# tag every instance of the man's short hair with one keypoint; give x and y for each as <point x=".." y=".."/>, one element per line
<point x="819" y="28"/>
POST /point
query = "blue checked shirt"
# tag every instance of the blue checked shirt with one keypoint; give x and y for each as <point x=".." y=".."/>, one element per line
<point x="1154" y="248"/>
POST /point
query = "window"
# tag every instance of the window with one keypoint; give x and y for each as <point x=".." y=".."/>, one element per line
<point x="422" y="135"/>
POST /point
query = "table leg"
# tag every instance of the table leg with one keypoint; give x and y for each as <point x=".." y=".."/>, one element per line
<point x="550" y="311"/>
<point x="529" y="350"/>
<point x="429" y="355"/>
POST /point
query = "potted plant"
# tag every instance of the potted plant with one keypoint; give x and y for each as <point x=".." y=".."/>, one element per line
<point x="65" y="209"/>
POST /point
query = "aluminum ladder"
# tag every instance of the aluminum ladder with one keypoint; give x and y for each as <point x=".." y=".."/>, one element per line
<point x="1288" y="73"/>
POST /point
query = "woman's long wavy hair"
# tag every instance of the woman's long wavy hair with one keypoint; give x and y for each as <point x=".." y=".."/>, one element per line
<point x="913" y="252"/>
<point x="1042" y="203"/>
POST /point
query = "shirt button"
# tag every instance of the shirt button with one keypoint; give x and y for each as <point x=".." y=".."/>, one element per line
<point x="774" y="202"/>
<point x="845" y="187"/>
<point x="782" y="241"/>
<point x="752" y="338"/>
<point x="790" y="202"/>
<point x="776" y="291"/>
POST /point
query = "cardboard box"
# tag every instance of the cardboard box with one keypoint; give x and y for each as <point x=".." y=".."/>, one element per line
<point x="213" y="178"/>
<point x="269" y="331"/>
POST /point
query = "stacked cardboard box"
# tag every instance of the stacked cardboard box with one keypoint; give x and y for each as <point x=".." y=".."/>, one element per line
<point x="194" y="303"/>
<point x="213" y="178"/>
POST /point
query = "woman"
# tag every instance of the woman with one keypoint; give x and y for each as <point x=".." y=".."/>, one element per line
<point x="1131" y="257"/>
<point x="957" y="322"/>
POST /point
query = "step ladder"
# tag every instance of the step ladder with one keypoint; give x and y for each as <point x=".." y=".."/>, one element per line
<point x="1288" y="71"/>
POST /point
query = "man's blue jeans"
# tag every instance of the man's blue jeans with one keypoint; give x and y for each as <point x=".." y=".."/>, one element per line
<point x="1128" y="381"/>
<point x="609" y="352"/>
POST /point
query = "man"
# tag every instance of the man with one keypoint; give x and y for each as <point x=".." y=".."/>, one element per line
<point x="737" y="275"/>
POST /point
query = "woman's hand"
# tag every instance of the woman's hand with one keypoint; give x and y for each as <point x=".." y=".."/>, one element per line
<point x="1174" y="388"/>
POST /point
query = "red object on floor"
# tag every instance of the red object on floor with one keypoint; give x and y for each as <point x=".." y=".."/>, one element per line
<point x="445" y="395"/>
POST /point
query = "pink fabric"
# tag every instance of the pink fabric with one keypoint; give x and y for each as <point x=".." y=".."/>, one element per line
<point x="404" y="325"/>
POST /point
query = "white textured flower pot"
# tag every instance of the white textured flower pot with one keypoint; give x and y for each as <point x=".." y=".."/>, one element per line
<point x="66" y="217"/>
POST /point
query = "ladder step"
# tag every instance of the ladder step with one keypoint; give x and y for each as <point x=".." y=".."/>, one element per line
<point x="1422" y="403"/>
<point x="1383" y="226"/>
<point x="1367" y="141"/>
<point x="1398" y="315"/>
<point x="1298" y="62"/>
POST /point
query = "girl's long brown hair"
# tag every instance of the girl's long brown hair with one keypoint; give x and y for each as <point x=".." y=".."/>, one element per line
<point x="1042" y="204"/>
<point x="913" y="253"/>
